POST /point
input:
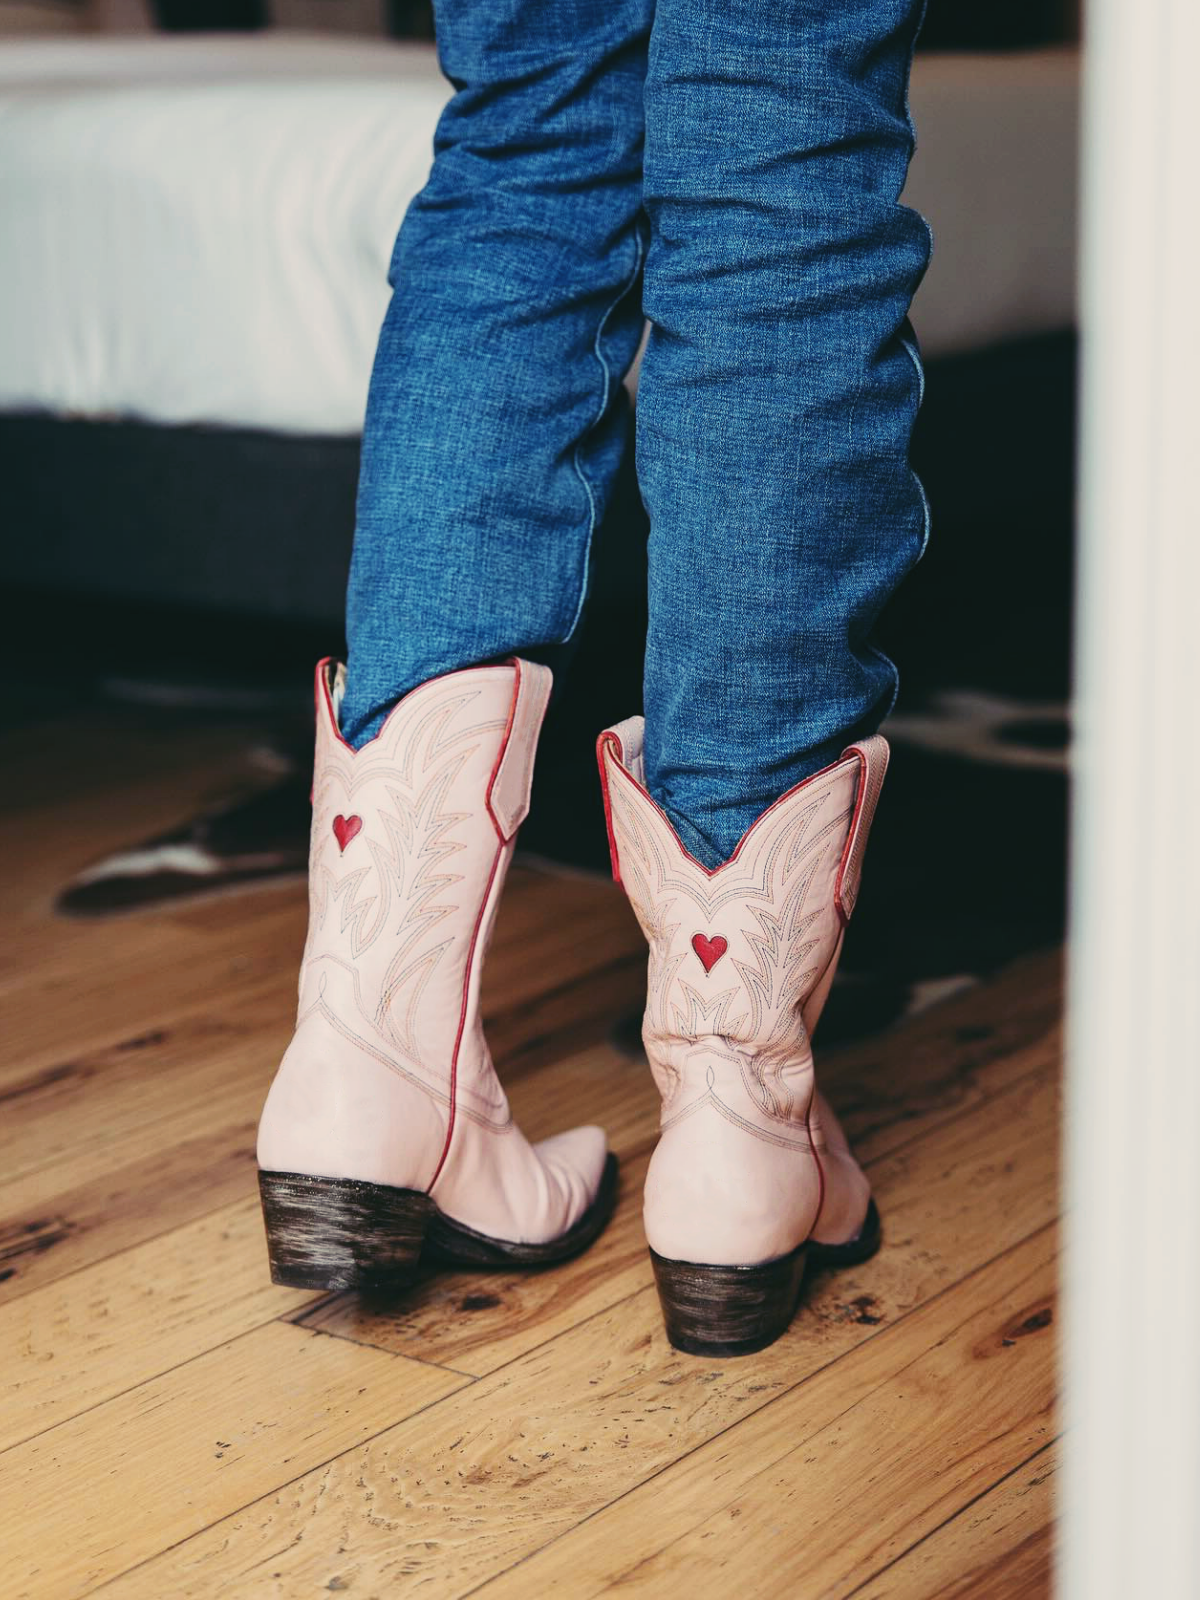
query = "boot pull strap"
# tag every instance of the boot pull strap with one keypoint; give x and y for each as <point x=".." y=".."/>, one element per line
<point x="873" y="762"/>
<point x="512" y="776"/>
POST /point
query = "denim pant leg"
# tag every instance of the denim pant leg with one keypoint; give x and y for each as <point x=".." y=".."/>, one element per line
<point x="496" y="417"/>
<point x="777" y="394"/>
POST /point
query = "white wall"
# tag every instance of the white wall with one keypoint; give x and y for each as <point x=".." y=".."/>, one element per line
<point x="1131" y="1509"/>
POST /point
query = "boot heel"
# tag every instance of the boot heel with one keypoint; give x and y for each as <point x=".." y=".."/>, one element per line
<point x="338" y="1233"/>
<point x="727" y="1311"/>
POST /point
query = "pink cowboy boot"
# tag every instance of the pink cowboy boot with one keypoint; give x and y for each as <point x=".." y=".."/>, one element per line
<point x="752" y="1175"/>
<point x="386" y="1130"/>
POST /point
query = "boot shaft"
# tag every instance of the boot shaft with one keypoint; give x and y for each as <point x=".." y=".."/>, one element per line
<point x="411" y="840"/>
<point x="741" y="956"/>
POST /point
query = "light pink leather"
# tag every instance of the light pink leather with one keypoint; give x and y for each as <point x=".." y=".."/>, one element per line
<point x="751" y="1161"/>
<point x="388" y="1078"/>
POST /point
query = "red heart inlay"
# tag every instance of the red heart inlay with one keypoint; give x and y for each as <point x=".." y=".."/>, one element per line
<point x="345" y="829"/>
<point x="711" y="950"/>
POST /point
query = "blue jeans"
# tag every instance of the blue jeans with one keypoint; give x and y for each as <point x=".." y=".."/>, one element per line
<point x="731" y="169"/>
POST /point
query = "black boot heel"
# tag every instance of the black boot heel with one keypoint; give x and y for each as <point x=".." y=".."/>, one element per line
<point x="733" y="1311"/>
<point x="338" y="1233"/>
<point x="727" y="1311"/>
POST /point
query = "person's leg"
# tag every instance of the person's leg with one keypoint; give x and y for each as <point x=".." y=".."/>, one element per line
<point x="496" y="417"/>
<point x="495" y="425"/>
<point x="777" y="393"/>
<point x="774" y="412"/>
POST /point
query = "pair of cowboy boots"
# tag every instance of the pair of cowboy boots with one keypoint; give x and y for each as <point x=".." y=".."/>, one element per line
<point x="387" y="1137"/>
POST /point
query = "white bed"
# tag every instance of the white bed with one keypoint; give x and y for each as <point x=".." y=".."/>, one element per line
<point x="197" y="230"/>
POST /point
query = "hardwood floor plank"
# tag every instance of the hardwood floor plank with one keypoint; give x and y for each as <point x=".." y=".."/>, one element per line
<point x="135" y="1316"/>
<point x="48" y="1237"/>
<point x="97" y="989"/>
<point x="190" y="1283"/>
<point x="478" y="1322"/>
<point x="213" y="1065"/>
<point x="487" y="1478"/>
<point x="948" y="1057"/>
<point x="999" y="1548"/>
<point x="167" y="1459"/>
<point x="823" y="1486"/>
<point x="92" y="1115"/>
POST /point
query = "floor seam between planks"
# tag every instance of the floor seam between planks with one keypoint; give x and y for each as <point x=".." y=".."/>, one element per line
<point x="226" y="1344"/>
<point x="400" y="1355"/>
<point x="953" y="1517"/>
<point x="126" y="1249"/>
<point x="952" y="1116"/>
<point x="279" y="1488"/>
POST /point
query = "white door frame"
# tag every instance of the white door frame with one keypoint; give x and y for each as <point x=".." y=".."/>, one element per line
<point x="1131" y="1348"/>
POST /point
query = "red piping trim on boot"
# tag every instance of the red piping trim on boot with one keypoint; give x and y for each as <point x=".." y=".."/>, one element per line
<point x="816" y="1157"/>
<point x="324" y="701"/>
<point x="610" y="738"/>
<point x="859" y="801"/>
<point x="462" y="1018"/>
<point x="852" y="752"/>
<point x="483" y="905"/>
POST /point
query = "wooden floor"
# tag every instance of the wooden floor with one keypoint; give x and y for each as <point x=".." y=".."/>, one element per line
<point x="174" y="1425"/>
